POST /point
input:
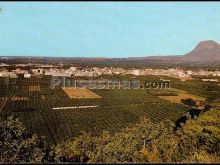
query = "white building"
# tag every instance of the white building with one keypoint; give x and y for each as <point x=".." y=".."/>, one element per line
<point x="8" y="74"/>
<point x="19" y="71"/>
<point x="38" y="71"/>
<point x="73" y="68"/>
<point x="135" y="72"/>
<point x="3" y="64"/>
<point x="210" y="80"/>
<point x="189" y="72"/>
<point x="27" y="75"/>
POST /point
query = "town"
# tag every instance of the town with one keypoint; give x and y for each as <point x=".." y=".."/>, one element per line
<point x="36" y="70"/>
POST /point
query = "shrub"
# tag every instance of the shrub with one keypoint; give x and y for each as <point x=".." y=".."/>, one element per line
<point x="17" y="145"/>
<point x="189" y="102"/>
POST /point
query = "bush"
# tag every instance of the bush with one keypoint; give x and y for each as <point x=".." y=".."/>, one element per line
<point x="17" y="145"/>
<point x="189" y="102"/>
<point x="197" y="141"/>
<point x="144" y="142"/>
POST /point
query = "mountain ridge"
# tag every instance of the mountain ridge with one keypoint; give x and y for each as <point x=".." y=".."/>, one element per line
<point x="204" y="52"/>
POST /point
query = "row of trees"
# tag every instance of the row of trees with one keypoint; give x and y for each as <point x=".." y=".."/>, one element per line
<point x="197" y="141"/>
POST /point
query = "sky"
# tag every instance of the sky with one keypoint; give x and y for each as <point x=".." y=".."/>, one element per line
<point x="106" y="29"/>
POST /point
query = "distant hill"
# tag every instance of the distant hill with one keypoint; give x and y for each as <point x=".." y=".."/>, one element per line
<point x="206" y="52"/>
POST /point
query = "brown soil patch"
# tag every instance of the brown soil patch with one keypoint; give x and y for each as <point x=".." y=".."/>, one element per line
<point x="181" y="94"/>
<point x="80" y="93"/>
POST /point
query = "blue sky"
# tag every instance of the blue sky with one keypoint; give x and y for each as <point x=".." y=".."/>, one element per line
<point x="106" y="29"/>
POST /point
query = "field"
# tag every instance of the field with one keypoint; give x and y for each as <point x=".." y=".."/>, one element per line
<point x="80" y="93"/>
<point x="34" y="88"/>
<point x="116" y="109"/>
<point x="181" y="94"/>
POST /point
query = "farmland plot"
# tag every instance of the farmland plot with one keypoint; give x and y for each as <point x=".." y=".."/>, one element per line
<point x="115" y="110"/>
<point x="34" y="88"/>
<point x="80" y="93"/>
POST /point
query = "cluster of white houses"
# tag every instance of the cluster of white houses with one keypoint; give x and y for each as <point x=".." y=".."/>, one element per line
<point x="95" y="71"/>
<point x="14" y="73"/>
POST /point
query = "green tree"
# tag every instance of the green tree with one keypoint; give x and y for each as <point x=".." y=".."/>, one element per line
<point x="16" y="145"/>
<point x="196" y="141"/>
<point x="200" y="139"/>
<point x="125" y="146"/>
<point x="189" y="102"/>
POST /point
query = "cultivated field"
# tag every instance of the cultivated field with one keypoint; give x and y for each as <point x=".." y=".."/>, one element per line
<point x="116" y="109"/>
<point x="80" y="93"/>
<point x="181" y="94"/>
<point x="34" y="88"/>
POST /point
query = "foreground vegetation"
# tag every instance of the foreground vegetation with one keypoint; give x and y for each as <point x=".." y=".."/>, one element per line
<point x="127" y="125"/>
<point x="197" y="141"/>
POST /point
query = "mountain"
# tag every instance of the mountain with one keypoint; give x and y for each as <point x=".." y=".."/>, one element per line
<point x="205" y="51"/>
